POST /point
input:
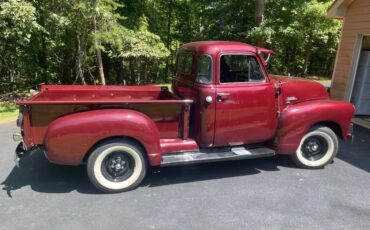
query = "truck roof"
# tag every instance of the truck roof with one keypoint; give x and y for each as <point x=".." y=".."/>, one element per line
<point x="217" y="46"/>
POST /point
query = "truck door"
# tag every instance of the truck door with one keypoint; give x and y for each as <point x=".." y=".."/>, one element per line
<point x="245" y="101"/>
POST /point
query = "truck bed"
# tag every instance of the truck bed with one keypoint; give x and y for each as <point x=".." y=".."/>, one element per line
<point x="78" y="95"/>
<point x="168" y="111"/>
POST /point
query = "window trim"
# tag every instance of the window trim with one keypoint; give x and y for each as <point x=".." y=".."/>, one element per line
<point x="242" y="82"/>
<point x="196" y="69"/>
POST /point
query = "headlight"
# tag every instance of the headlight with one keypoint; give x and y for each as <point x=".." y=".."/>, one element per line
<point x="17" y="137"/>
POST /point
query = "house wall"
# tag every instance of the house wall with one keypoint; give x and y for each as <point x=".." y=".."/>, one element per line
<point x="356" y="22"/>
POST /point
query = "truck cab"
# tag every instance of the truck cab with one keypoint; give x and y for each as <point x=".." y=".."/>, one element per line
<point x="234" y="99"/>
<point x="223" y="106"/>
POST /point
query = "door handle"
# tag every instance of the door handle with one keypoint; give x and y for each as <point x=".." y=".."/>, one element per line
<point x="289" y="100"/>
<point x="223" y="96"/>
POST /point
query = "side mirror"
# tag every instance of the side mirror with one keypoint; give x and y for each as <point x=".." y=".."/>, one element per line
<point x="265" y="54"/>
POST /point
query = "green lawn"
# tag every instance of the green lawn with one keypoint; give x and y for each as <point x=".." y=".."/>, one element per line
<point x="322" y="80"/>
<point x="168" y="85"/>
<point x="326" y="81"/>
<point x="8" y="112"/>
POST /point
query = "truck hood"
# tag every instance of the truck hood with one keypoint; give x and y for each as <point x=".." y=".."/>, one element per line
<point x="295" y="90"/>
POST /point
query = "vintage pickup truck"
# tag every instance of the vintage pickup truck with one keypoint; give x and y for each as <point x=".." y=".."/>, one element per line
<point x="224" y="106"/>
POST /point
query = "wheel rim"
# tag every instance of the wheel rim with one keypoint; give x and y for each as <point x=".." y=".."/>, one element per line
<point x="118" y="166"/>
<point x="314" y="148"/>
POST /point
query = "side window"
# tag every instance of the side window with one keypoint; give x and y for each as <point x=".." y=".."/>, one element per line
<point x="204" y="69"/>
<point x="184" y="63"/>
<point x="240" y="68"/>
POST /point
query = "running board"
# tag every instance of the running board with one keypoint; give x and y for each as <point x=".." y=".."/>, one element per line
<point x="204" y="156"/>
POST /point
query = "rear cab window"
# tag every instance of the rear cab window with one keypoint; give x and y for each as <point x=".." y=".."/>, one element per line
<point x="204" y="69"/>
<point x="184" y="63"/>
<point x="239" y="68"/>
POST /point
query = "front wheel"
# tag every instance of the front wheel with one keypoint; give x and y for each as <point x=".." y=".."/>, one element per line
<point x="117" y="166"/>
<point x="317" y="148"/>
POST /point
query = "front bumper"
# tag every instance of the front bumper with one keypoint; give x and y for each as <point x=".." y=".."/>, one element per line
<point x="350" y="134"/>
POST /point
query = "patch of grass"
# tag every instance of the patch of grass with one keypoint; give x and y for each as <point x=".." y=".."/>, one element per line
<point x="8" y="112"/>
<point x="168" y="85"/>
<point x="324" y="81"/>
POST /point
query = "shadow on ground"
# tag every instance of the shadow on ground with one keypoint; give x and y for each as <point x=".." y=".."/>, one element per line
<point x="357" y="153"/>
<point x="35" y="171"/>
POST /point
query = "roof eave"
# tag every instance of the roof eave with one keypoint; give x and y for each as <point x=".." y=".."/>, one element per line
<point x="338" y="9"/>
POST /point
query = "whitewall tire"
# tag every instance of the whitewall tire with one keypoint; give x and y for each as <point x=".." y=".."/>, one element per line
<point x="317" y="148"/>
<point x="117" y="166"/>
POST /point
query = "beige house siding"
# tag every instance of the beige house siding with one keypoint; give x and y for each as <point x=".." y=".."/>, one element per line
<point x="356" y="22"/>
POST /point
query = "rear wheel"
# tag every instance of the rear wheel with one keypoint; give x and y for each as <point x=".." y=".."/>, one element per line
<point x="317" y="148"/>
<point x="117" y="166"/>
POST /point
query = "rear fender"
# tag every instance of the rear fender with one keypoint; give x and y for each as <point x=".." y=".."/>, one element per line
<point x="297" y="119"/>
<point x="69" y="138"/>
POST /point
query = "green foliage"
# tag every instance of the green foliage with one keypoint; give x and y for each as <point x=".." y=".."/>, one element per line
<point x="56" y="42"/>
<point x="141" y="53"/>
<point x="17" y="21"/>
<point x="142" y="44"/>
<point x="8" y="111"/>
<point x="304" y="37"/>
<point x="17" y="24"/>
<point x="138" y="44"/>
<point x="6" y="107"/>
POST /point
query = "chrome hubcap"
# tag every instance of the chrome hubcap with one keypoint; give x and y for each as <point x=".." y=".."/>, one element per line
<point x="314" y="148"/>
<point x="118" y="166"/>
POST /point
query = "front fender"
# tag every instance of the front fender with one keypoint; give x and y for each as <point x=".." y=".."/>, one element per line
<point x="70" y="137"/>
<point x="297" y="119"/>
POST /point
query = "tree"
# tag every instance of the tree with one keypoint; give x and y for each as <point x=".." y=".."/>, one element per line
<point x="94" y="19"/>
<point x="260" y="11"/>
<point x="260" y="16"/>
<point x="141" y="52"/>
<point x="301" y="33"/>
<point x="17" y="24"/>
<point x="135" y="42"/>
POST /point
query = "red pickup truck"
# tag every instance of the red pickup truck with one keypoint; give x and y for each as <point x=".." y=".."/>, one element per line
<point x="224" y="106"/>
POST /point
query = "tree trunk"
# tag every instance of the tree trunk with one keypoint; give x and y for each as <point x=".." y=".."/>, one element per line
<point x="43" y="58"/>
<point x="260" y="12"/>
<point x="12" y="80"/>
<point x="259" y="17"/>
<point x="100" y="66"/>
<point x="327" y="67"/>
<point x="307" y="55"/>
<point x="138" y="73"/>
<point x="80" y="60"/>
<point x="98" y="55"/>
<point x="168" y="42"/>
<point x="145" y="72"/>
<point x="293" y="59"/>
<point x="132" y="71"/>
<point x="305" y="66"/>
